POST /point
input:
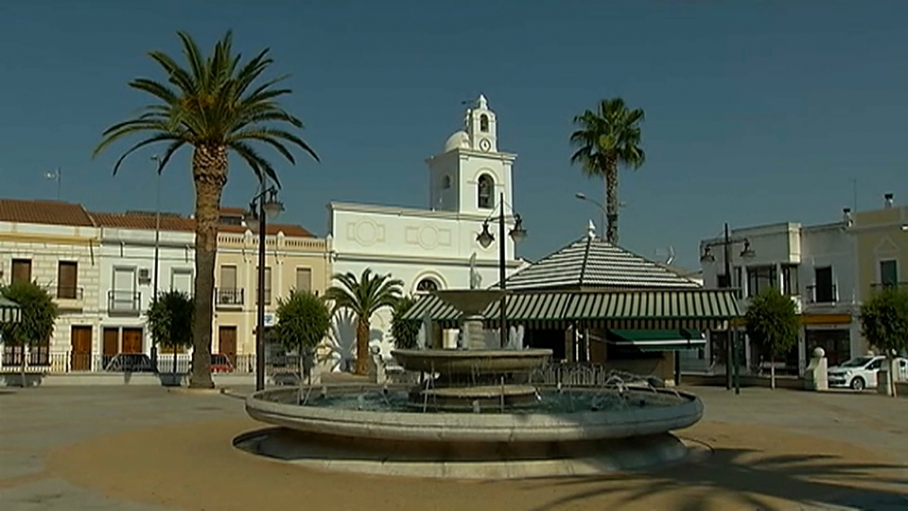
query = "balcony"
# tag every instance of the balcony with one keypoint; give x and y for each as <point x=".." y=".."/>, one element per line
<point x="124" y="302"/>
<point x="229" y="298"/>
<point x="67" y="297"/>
<point x="820" y="295"/>
<point x="880" y="286"/>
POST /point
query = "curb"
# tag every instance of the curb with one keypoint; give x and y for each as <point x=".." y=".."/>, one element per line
<point x="197" y="392"/>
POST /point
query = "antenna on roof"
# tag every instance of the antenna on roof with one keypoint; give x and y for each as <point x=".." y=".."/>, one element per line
<point x="56" y="175"/>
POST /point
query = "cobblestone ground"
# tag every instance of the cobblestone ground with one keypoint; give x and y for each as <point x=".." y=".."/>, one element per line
<point x="144" y="449"/>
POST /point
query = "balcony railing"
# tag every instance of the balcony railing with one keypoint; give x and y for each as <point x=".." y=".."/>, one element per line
<point x="879" y="286"/>
<point x="124" y="302"/>
<point x="69" y="293"/>
<point x="821" y="294"/>
<point x="227" y="297"/>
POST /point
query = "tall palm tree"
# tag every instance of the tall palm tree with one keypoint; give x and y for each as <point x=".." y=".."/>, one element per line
<point x="215" y="104"/>
<point x="607" y="138"/>
<point x="364" y="297"/>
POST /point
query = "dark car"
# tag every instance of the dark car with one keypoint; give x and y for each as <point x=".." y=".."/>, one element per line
<point x="130" y="363"/>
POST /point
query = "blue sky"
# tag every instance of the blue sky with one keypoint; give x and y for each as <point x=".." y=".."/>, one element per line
<point x="757" y="112"/>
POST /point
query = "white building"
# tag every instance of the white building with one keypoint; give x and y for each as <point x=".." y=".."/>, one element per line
<point x="127" y="255"/>
<point x="431" y="248"/>
<point x="814" y="265"/>
<point x="54" y="244"/>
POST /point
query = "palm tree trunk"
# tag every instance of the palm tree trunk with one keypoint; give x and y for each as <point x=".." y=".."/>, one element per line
<point x="209" y="172"/>
<point x="362" y="345"/>
<point x="611" y="199"/>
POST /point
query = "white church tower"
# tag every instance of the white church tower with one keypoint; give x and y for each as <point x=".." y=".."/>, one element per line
<point x="470" y="174"/>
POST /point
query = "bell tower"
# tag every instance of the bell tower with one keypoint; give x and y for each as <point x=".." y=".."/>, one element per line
<point x="470" y="174"/>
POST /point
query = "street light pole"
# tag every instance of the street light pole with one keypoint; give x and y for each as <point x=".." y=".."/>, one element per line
<point x="263" y="205"/>
<point x="157" y="242"/>
<point x="602" y="210"/>
<point x="730" y="359"/>
<point x="502" y="274"/>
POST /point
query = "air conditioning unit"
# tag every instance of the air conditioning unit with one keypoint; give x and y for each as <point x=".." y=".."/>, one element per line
<point x="144" y="275"/>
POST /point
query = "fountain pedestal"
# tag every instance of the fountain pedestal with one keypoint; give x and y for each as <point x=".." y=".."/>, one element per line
<point x="474" y="334"/>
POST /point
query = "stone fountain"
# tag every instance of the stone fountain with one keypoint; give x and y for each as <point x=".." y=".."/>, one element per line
<point x="477" y="412"/>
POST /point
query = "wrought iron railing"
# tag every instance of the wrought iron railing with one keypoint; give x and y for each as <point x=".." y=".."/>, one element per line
<point x="879" y="286"/>
<point x="229" y="297"/>
<point x="821" y="294"/>
<point x="124" y="302"/>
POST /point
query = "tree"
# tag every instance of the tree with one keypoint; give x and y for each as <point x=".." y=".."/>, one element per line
<point x="607" y="138"/>
<point x="364" y="297"/>
<point x="39" y="314"/>
<point x="303" y="321"/>
<point x="772" y="323"/>
<point x="170" y="321"/>
<point x="405" y="331"/>
<point x="216" y="105"/>
<point x="884" y="322"/>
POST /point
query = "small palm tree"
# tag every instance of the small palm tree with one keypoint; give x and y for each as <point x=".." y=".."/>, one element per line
<point x="364" y="297"/>
<point x="216" y="105"/>
<point x="607" y="138"/>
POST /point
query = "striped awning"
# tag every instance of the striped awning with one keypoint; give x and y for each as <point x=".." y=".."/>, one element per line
<point x="10" y="312"/>
<point x="630" y="310"/>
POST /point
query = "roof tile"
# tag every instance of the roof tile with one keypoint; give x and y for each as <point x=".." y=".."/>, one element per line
<point x="44" y="212"/>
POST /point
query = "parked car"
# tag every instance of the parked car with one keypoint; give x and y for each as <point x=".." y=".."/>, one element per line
<point x="219" y="364"/>
<point x="861" y="373"/>
<point x="130" y="363"/>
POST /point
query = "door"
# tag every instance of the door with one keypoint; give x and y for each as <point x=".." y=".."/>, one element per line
<point x="111" y="345"/>
<point x="227" y="343"/>
<point x="80" y="356"/>
<point x="132" y="340"/>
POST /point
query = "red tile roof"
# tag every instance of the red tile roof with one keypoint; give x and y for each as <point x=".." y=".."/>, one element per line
<point x="171" y="222"/>
<point x="44" y="212"/>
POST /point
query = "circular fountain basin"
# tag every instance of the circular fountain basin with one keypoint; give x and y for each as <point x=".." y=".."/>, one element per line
<point x="471" y="361"/>
<point x="277" y="407"/>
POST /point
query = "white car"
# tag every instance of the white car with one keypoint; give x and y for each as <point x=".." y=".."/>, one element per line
<point x="860" y="373"/>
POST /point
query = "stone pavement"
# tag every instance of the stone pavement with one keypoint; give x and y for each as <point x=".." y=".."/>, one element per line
<point x="144" y="449"/>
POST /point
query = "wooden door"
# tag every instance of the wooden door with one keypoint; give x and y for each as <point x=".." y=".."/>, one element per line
<point x="132" y="340"/>
<point x="80" y="356"/>
<point x="227" y="343"/>
<point x="111" y="344"/>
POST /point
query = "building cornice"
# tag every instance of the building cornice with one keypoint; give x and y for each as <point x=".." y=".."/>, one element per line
<point x="408" y="212"/>
<point x="446" y="261"/>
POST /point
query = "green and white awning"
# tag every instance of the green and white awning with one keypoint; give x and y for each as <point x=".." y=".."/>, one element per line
<point x="699" y="309"/>
<point x="658" y="340"/>
<point x="10" y="312"/>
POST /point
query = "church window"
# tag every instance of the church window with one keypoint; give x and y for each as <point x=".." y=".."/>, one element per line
<point x="446" y="182"/>
<point x="426" y="286"/>
<point x="485" y="187"/>
<point x="484" y="123"/>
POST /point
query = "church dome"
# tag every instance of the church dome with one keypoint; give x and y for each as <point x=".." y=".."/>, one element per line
<point x="459" y="139"/>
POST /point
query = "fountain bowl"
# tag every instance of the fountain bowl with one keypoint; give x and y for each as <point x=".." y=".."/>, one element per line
<point x="470" y="302"/>
<point x="484" y="361"/>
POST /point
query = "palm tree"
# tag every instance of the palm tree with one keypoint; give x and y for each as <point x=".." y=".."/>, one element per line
<point x="606" y="139"/>
<point x="215" y="104"/>
<point x="364" y="297"/>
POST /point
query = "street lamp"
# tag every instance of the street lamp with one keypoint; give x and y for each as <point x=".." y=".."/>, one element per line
<point x="263" y="206"/>
<point x="747" y="253"/>
<point x="157" y="246"/>
<point x="582" y="196"/>
<point x="485" y="239"/>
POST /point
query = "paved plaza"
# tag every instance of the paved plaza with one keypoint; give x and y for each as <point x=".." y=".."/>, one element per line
<point x="144" y="449"/>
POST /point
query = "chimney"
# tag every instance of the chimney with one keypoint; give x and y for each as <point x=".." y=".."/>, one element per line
<point x="888" y="200"/>
<point x="846" y="217"/>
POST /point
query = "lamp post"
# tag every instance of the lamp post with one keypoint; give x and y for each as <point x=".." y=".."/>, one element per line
<point x="56" y="175"/>
<point x="264" y="205"/>
<point x="731" y="362"/>
<point x="602" y="210"/>
<point x="485" y="238"/>
<point x="157" y="248"/>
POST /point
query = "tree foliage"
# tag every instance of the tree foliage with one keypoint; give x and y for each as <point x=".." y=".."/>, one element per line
<point x="170" y="319"/>
<point x="772" y="322"/>
<point x="405" y="331"/>
<point x="39" y="314"/>
<point x="606" y="138"/>
<point x="364" y="296"/>
<point x="303" y="321"/>
<point x="884" y="320"/>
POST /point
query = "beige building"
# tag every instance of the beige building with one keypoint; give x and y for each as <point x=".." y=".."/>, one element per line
<point x="295" y="259"/>
<point x="881" y="243"/>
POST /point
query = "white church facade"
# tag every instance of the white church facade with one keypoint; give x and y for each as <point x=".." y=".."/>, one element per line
<point x="432" y="248"/>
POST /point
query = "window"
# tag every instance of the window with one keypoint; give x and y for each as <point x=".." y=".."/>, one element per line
<point x="760" y="278"/>
<point x="876" y="364"/>
<point x="228" y="278"/>
<point x="67" y="272"/>
<point x="446" y="182"/>
<point x="738" y="282"/>
<point x="722" y="281"/>
<point x="22" y="271"/>
<point x="304" y="279"/>
<point x="889" y="272"/>
<point x="790" y="280"/>
<point x="426" y="286"/>
<point x="484" y="123"/>
<point x="181" y="280"/>
<point x="823" y="287"/>
<point x="485" y="188"/>
<point x="227" y="292"/>
<point x="267" y="286"/>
